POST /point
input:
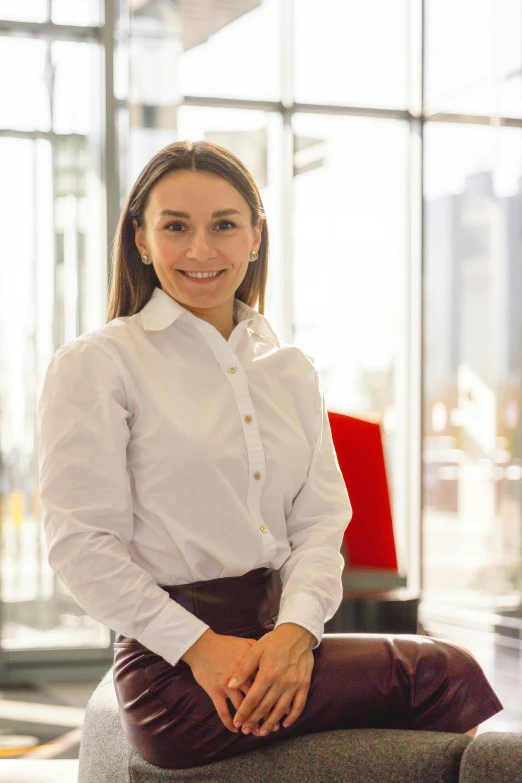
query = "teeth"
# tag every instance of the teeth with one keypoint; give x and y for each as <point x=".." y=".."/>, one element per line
<point x="202" y="274"/>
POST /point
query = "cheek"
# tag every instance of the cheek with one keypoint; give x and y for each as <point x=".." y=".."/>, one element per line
<point x="167" y="247"/>
<point x="240" y="252"/>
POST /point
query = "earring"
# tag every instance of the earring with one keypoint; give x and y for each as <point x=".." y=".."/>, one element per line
<point x="253" y="255"/>
<point x="145" y="259"/>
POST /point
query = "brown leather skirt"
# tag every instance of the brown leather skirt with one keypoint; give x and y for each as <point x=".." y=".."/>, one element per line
<point x="358" y="681"/>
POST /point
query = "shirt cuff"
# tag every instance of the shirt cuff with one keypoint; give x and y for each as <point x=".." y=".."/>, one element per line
<point x="303" y="609"/>
<point x="172" y="632"/>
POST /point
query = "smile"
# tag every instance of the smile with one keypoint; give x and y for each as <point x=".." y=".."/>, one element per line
<point x="202" y="275"/>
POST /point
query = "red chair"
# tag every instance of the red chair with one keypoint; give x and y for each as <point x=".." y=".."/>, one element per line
<point x="375" y="599"/>
<point x="369" y="536"/>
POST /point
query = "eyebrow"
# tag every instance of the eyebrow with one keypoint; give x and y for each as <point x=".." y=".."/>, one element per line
<point x="219" y="213"/>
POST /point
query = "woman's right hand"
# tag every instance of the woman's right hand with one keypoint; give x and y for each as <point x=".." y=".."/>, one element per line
<point x="213" y="658"/>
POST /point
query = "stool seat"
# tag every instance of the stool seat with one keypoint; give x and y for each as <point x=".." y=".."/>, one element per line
<point x="348" y="756"/>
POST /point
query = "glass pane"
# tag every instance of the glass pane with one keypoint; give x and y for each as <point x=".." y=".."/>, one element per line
<point x="351" y="52"/>
<point x="77" y="74"/>
<point x="232" y="51"/>
<point x="472" y="460"/>
<point x="24" y="96"/>
<point x="28" y="11"/>
<point x="80" y="12"/>
<point x="55" y="208"/>
<point x="349" y="256"/>
<point x="474" y="56"/>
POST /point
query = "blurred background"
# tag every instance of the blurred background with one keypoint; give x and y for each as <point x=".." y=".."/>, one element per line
<point x="386" y="139"/>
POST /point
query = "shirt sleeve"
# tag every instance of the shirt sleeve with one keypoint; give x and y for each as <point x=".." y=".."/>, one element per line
<point x="311" y="576"/>
<point x="87" y="502"/>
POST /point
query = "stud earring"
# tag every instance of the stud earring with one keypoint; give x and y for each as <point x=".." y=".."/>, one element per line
<point x="253" y="255"/>
<point x="145" y="259"/>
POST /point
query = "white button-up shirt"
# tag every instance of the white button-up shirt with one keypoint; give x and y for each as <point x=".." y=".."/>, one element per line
<point x="170" y="455"/>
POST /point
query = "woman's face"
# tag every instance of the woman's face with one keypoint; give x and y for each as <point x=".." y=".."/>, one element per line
<point x="196" y="221"/>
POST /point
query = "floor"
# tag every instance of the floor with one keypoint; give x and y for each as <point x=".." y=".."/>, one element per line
<point x="47" y="721"/>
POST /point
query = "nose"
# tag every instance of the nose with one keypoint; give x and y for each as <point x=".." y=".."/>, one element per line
<point x="200" y="247"/>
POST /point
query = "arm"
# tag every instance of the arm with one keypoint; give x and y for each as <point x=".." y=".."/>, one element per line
<point x="312" y="587"/>
<point x="87" y="502"/>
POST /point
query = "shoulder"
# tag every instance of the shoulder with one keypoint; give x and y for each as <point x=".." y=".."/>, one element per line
<point x="93" y="359"/>
<point x="298" y="355"/>
<point x="91" y="346"/>
<point x="296" y="364"/>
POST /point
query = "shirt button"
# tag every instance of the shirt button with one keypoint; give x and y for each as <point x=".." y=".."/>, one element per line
<point x="262" y="528"/>
<point x="232" y="368"/>
<point x="249" y="419"/>
<point x="257" y="475"/>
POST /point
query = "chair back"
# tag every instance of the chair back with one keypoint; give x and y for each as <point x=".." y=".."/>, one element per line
<point x="369" y="537"/>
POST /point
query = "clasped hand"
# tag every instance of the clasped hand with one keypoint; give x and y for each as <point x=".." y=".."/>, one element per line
<point x="265" y="680"/>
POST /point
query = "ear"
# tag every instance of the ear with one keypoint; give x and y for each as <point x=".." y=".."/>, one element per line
<point x="257" y="234"/>
<point x="139" y="237"/>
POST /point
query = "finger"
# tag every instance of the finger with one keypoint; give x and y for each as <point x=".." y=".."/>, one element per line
<point x="220" y="703"/>
<point x="246" y="668"/>
<point x="256" y="732"/>
<point x="298" y="705"/>
<point x="263" y="708"/>
<point x="273" y="719"/>
<point x="246" y="686"/>
<point x="251" y="701"/>
<point x="236" y="698"/>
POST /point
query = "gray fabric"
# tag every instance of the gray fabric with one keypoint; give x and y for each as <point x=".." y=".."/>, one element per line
<point x="351" y="756"/>
<point x="493" y="757"/>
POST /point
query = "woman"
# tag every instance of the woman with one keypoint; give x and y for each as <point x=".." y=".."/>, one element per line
<point x="193" y="501"/>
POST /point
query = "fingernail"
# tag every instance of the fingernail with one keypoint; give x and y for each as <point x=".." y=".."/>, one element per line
<point x="233" y="683"/>
<point x="246" y="730"/>
<point x="276" y="727"/>
<point x="237" y="724"/>
<point x="263" y="733"/>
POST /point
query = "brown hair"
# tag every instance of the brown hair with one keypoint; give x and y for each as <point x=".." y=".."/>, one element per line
<point x="132" y="282"/>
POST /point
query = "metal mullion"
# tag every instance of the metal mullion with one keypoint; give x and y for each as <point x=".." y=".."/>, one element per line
<point x="410" y="397"/>
<point x="287" y="108"/>
<point x="37" y="134"/>
<point x="231" y="103"/>
<point x="54" y="655"/>
<point x="50" y="30"/>
<point x="355" y="111"/>
<point x="110" y="163"/>
<point x="473" y="119"/>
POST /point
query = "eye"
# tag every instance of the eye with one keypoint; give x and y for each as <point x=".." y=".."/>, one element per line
<point x="224" y="224"/>
<point x="176" y="226"/>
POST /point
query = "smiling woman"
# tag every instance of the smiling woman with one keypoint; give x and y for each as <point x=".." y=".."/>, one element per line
<point x="194" y="502"/>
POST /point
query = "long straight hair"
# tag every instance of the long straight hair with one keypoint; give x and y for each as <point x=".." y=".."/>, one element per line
<point x="131" y="281"/>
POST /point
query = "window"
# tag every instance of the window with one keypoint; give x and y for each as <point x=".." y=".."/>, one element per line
<point x="325" y="104"/>
<point x="54" y="269"/>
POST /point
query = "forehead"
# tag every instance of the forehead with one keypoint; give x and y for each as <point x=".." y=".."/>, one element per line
<point x="192" y="191"/>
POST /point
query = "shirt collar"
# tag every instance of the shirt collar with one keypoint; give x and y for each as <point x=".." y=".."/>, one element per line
<point x="161" y="311"/>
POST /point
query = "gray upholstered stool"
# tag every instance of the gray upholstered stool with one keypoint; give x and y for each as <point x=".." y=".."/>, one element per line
<point x="493" y="757"/>
<point x="362" y="756"/>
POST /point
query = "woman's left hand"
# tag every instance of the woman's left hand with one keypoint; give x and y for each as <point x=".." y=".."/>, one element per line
<point x="282" y="661"/>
